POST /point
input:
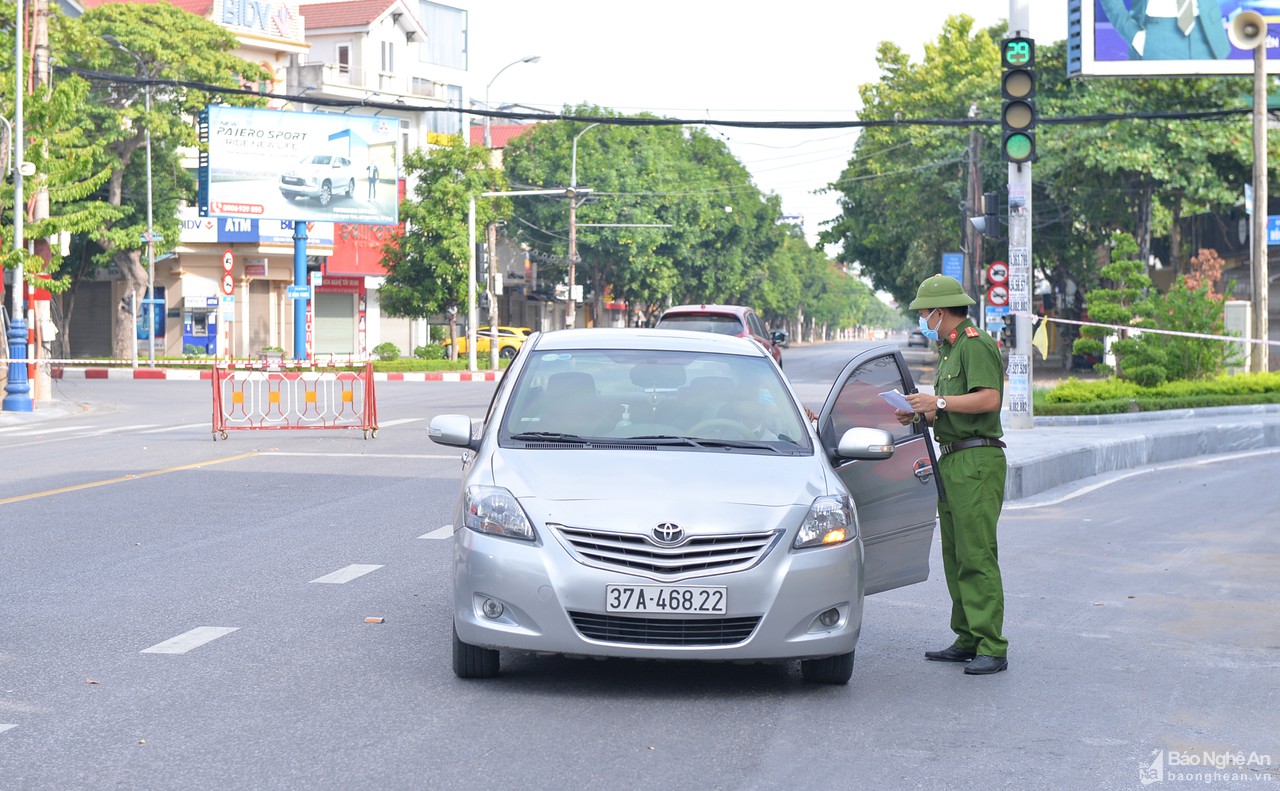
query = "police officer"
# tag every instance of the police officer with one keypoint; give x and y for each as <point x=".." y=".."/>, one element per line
<point x="965" y="414"/>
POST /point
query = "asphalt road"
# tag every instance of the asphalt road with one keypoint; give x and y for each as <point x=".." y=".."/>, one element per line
<point x="184" y="613"/>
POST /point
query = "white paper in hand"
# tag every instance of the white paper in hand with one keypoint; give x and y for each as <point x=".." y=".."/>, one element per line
<point x="897" y="400"/>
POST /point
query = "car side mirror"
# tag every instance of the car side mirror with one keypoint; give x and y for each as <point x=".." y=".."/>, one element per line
<point x="452" y="430"/>
<point x="865" y="443"/>
<point x="779" y="336"/>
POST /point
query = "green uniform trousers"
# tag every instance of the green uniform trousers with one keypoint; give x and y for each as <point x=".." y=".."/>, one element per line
<point x="974" y="483"/>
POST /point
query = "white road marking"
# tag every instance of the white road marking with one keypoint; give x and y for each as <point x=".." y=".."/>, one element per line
<point x="189" y="640"/>
<point x="453" y="457"/>
<point x="4" y="727"/>
<point x="440" y="532"/>
<point x="31" y="432"/>
<point x="120" y="430"/>
<point x="347" y="574"/>
<point x="205" y="425"/>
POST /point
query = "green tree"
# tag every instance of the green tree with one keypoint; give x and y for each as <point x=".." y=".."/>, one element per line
<point x="901" y="195"/>
<point x="427" y="258"/>
<point x="150" y="42"/>
<point x="1123" y="304"/>
<point x="1190" y="305"/>
<point x="719" y="227"/>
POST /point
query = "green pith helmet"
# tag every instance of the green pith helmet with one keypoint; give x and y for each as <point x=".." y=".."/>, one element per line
<point x="940" y="291"/>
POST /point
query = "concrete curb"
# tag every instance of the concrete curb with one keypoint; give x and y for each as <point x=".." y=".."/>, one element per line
<point x="1058" y="454"/>
<point x="196" y="374"/>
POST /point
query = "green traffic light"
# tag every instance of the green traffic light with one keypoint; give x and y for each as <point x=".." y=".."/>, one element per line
<point x="1017" y="147"/>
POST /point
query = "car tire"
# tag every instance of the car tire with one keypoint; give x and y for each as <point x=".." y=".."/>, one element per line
<point x="472" y="661"/>
<point x="507" y="352"/>
<point x="351" y="188"/>
<point x="326" y="194"/>
<point x="828" y="670"/>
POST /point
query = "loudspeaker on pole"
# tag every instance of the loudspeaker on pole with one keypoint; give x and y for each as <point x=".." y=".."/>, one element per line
<point x="1248" y="29"/>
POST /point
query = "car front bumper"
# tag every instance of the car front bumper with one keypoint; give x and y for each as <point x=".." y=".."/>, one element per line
<point x="542" y="588"/>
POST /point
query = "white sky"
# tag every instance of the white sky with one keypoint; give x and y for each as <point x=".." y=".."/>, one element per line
<point x="796" y="60"/>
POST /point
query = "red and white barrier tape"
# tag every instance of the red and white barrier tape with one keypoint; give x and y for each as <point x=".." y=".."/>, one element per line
<point x="1135" y="328"/>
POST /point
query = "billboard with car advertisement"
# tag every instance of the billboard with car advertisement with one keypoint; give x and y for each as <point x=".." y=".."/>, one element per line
<point x="278" y="165"/>
<point x="1184" y="38"/>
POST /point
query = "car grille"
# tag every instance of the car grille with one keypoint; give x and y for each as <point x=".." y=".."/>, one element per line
<point x="636" y="554"/>
<point x="291" y="180"/>
<point x="663" y="631"/>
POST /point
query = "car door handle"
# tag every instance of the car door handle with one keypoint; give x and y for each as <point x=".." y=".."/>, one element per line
<point x="922" y="469"/>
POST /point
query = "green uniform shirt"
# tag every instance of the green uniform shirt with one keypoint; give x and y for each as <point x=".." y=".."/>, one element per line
<point x="970" y="360"/>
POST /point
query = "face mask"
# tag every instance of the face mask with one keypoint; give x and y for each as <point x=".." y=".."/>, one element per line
<point x="931" y="334"/>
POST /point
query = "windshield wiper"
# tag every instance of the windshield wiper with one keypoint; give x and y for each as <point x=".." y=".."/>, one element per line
<point x="548" y="436"/>
<point x="735" y="443"/>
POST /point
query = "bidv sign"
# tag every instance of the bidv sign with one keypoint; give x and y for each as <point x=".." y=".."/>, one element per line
<point x="273" y="18"/>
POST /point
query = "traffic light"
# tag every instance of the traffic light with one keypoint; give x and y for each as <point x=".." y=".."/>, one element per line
<point x="1018" y="90"/>
<point x="989" y="223"/>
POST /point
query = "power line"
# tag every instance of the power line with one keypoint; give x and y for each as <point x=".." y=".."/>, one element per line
<point x="404" y="106"/>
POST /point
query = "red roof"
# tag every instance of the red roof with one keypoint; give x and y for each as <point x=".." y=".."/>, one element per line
<point x="345" y="13"/>
<point x="201" y="8"/>
<point x="499" y="134"/>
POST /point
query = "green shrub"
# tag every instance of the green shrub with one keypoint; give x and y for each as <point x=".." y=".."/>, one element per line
<point x="429" y="352"/>
<point x="386" y="352"/>
<point x="1113" y="396"/>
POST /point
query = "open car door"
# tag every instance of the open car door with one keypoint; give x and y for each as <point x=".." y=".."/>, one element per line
<point x="896" y="497"/>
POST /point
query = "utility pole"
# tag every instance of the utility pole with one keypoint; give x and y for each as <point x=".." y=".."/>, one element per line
<point x="1020" y="271"/>
<point x="973" y="245"/>
<point x="491" y="241"/>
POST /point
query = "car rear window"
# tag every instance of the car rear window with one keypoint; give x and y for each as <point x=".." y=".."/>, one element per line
<point x="702" y="322"/>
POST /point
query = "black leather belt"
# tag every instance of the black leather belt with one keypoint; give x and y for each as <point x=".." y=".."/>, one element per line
<point x="965" y="444"/>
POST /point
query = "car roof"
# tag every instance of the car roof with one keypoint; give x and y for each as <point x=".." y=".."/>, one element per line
<point x="737" y="310"/>
<point x="643" y="338"/>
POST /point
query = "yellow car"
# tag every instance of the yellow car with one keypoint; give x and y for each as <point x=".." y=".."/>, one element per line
<point x="510" y="339"/>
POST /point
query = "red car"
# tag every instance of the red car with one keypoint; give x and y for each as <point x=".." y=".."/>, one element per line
<point x="724" y="320"/>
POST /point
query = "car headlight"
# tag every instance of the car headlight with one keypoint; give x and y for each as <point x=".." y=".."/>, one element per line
<point x="829" y="521"/>
<point x="494" y="510"/>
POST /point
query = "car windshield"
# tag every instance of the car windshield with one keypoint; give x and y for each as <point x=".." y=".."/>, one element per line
<point x="702" y="322"/>
<point x="668" y="399"/>
<point x="318" y="159"/>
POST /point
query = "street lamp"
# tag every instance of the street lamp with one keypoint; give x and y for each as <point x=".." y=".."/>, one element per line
<point x="571" y="310"/>
<point x="530" y="59"/>
<point x="17" y="386"/>
<point x="151" y="241"/>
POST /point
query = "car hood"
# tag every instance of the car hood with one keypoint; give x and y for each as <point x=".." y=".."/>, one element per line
<point x="721" y="491"/>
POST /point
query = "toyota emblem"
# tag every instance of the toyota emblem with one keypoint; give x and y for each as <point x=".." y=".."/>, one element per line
<point x="668" y="533"/>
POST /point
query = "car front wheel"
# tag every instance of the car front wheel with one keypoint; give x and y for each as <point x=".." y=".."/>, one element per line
<point x="326" y="194"/>
<point x="507" y="352"/>
<point x="472" y="661"/>
<point x="828" y="670"/>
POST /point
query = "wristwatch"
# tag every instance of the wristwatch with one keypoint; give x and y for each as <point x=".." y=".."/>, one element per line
<point x="942" y="404"/>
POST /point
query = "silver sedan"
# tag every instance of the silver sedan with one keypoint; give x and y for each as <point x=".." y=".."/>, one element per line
<point x="663" y="494"/>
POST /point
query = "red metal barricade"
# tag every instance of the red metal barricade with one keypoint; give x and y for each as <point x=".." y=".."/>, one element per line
<point x="258" y="397"/>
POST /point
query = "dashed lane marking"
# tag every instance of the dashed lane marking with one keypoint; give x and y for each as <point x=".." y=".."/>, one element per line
<point x="453" y="457"/>
<point x="347" y="574"/>
<point x="401" y="421"/>
<point x="27" y="431"/>
<point x="125" y="478"/>
<point x="4" y="727"/>
<point x="190" y="640"/>
<point x="205" y="425"/>
<point x="439" y="533"/>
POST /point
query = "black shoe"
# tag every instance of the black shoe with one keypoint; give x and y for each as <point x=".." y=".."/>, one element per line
<point x="950" y="654"/>
<point x="986" y="665"/>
